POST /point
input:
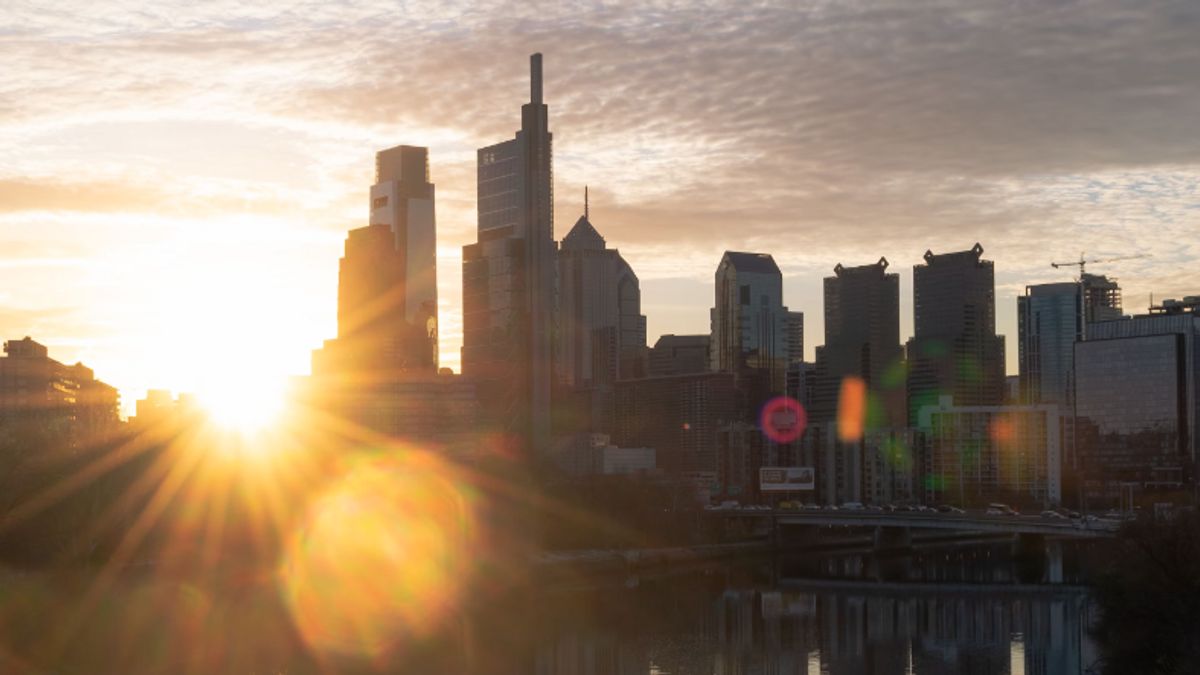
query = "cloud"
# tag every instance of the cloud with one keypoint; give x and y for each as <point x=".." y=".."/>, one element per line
<point x="832" y="132"/>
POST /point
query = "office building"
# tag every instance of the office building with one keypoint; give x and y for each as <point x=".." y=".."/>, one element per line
<point x="975" y="455"/>
<point x="1050" y="319"/>
<point x="387" y="277"/>
<point x="795" y="337"/>
<point x="52" y="399"/>
<point x="402" y="198"/>
<point x="954" y="351"/>
<point x="679" y="355"/>
<point x="679" y="416"/>
<point x="862" y="340"/>
<point x="1137" y="401"/>
<point x="750" y="324"/>
<point x="601" y="329"/>
<point x="509" y="284"/>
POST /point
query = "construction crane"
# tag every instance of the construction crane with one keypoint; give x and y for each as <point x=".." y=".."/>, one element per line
<point x="1103" y="295"/>
<point x="1081" y="263"/>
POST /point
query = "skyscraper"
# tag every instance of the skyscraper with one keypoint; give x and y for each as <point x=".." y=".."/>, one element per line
<point x="862" y="340"/>
<point x="954" y="350"/>
<point x="750" y="324"/>
<point x="509" y="284"/>
<point x="403" y="199"/>
<point x="387" y="278"/>
<point x="601" y="331"/>
<point x="1050" y="319"/>
<point x="371" y="324"/>
<point x="795" y="333"/>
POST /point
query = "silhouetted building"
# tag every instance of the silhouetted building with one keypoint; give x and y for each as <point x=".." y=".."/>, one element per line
<point x="750" y="336"/>
<point x="438" y="412"/>
<point x="403" y="199"/>
<point x="679" y="355"/>
<point x="601" y="329"/>
<point x="838" y="465"/>
<point x="889" y="466"/>
<point x="586" y="454"/>
<point x="387" y="278"/>
<point x="862" y="340"/>
<point x="741" y="450"/>
<point x="1137" y="401"/>
<point x="509" y="286"/>
<point x="954" y="350"/>
<point x="795" y="336"/>
<point x="975" y="455"/>
<point x="97" y="404"/>
<point x="40" y="394"/>
<point x="162" y="410"/>
<point x="1050" y="319"/>
<point x="679" y="416"/>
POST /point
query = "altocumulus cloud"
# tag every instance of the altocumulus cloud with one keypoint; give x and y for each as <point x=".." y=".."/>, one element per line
<point x="832" y="131"/>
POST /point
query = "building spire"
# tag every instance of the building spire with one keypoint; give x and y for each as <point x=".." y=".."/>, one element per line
<point x="535" y="78"/>
<point x="585" y="203"/>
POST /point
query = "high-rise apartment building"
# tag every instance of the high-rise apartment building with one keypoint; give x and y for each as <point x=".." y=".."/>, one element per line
<point x="750" y="335"/>
<point x="977" y="454"/>
<point x="45" y="396"/>
<point x="1050" y="319"/>
<point x="679" y="416"/>
<point x="862" y="340"/>
<point x="509" y="280"/>
<point x="954" y="351"/>
<point x="403" y="199"/>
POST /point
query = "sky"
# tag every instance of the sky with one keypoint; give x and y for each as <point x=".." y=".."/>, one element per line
<point x="176" y="180"/>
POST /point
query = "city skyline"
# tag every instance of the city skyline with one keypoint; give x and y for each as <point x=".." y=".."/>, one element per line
<point x="109" y="260"/>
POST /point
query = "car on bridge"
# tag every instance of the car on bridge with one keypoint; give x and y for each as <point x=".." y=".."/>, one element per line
<point x="1001" y="510"/>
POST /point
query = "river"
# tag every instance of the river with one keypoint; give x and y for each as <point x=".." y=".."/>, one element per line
<point x="978" y="608"/>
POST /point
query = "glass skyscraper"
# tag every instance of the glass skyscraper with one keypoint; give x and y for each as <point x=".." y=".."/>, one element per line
<point x="862" y="339"/>
<point x="954" y="350"/>
<point x="509" y="280"/>
<point x="1050" y="319"/>
<point x="1137" y="401"/>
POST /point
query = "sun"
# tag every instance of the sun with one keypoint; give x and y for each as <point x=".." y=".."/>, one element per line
<point x="243" y="404"/>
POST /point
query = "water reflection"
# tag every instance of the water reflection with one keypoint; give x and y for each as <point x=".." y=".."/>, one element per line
<point x="974" y="609"/>
<point x="955" y="611"/>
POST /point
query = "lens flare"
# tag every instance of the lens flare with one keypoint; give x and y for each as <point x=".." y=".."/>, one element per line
<point x="383" y="558"/>
<point x="1002" y="430"/>
<point x="783" y="419"/>
<point x="852" y="409"/>
<point x="896" y="453"/>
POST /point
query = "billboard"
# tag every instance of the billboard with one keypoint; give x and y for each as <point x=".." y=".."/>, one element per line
<point x="785" y="478"/>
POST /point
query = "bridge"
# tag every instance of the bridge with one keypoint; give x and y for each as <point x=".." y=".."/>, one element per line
<point x="911" y="589"/>
<point x="893" y="529"/>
